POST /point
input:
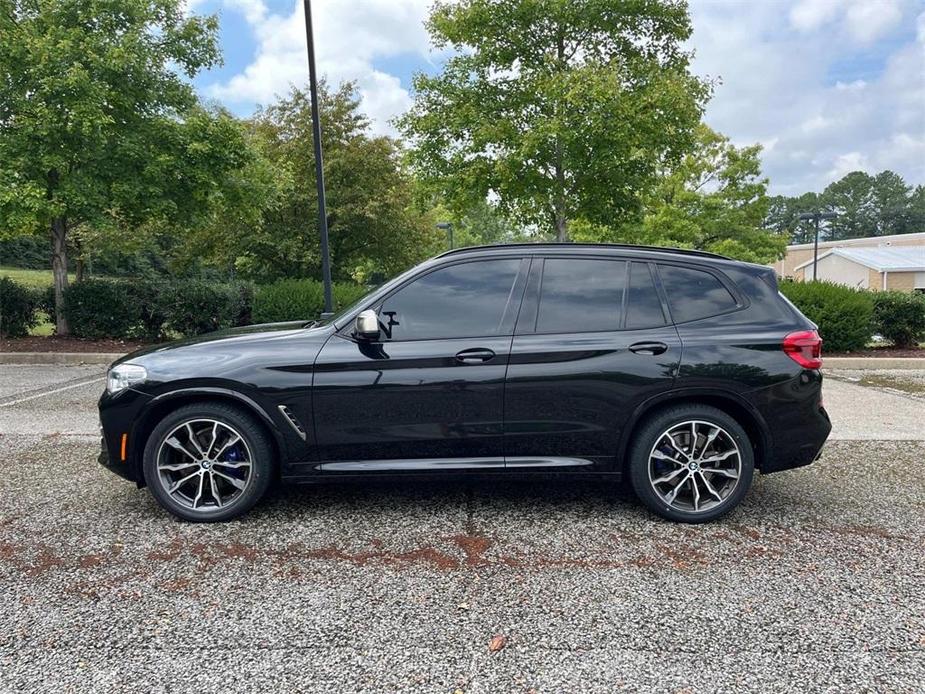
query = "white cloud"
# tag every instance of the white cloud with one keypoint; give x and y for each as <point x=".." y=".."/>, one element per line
<point x="778" y="62"/>
<point x="349" y="37"/>
<point x="862" y="20"/>
<point x="846" y="163"/>
<point x="776" y="86"/>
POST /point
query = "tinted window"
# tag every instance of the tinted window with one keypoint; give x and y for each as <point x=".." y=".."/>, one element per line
<point x="466" y="300"/>
<point x="643" y="307"/>
<point x="580" y="295"/>
<point x="694" y="294"/>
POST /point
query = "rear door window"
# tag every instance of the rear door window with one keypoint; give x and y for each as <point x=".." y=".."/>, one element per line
<point x="581" y="295"/>
<point x="694" y="294"/>
<point x="643" y="306"/>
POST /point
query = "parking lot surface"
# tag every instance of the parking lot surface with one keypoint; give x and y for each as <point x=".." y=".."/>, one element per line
<point x="814" y="584"/>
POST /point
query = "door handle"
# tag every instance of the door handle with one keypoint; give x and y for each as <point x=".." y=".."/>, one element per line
<point x="649" y="348"/>
<point x="474" y="356"/>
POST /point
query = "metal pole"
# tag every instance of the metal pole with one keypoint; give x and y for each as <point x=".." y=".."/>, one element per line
<point x="319" y="163"/>
<point x="816" y="249"/>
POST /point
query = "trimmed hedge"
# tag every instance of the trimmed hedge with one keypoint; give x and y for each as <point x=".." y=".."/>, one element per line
<point x="151" y="308"/>
<point x="17" y="308"/>
<point x="288" y="300"/>
<point x="844" y="315"/>
<point x="900" y="317"/>
<point x="96" y="308"/>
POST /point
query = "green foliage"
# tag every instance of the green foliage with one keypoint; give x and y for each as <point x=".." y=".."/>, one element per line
<point x="194" y="307"/>
<point x="563" y="110"/>
<point x="844" y="315"/>
<point x="17" y="308"/>
<point x="101" y="134"/>
<point x="98" y="309"/>
<point x="152" y="308"/>
<point x="900" y="317"/>
<point x="865" y="205"/>
<point x="288" y="300"/>
<point x="373" y="226"/>
<point x="714" y="199"/>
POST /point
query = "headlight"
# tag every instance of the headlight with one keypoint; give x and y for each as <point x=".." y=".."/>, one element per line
<point x="124" y="376"/>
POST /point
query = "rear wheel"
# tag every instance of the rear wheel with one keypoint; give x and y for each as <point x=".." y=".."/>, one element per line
<point x="208" y="462"/>
<point x="691" y="463"/>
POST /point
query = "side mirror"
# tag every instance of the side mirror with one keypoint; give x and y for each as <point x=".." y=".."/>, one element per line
<point x="367" y="325"/>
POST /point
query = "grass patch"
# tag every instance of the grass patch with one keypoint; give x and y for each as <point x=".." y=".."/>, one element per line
<point x="31" y="278"/>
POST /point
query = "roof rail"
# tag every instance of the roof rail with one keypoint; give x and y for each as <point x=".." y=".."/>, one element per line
<point x="554" y="245"/>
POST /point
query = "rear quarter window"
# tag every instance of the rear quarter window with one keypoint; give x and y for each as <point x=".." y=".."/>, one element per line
<point x="694" y="294"/>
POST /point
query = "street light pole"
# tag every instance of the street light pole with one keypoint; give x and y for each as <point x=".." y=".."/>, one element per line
<point x="319" y="163"/>
<point x="448" y="227"/>
<point x="816" y="216"/>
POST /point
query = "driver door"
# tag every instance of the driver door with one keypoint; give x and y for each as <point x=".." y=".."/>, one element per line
<point x="428" y="392"/>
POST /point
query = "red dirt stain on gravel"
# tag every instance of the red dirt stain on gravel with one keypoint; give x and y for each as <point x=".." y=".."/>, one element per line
<point x="88" y="561"/>
<point x="474" y="547"/>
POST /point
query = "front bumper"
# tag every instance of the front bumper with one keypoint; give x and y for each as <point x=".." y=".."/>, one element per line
<point x="119" y="415"/>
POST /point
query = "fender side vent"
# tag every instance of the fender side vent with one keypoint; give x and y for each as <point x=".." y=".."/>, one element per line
<point x="293" y="422"/>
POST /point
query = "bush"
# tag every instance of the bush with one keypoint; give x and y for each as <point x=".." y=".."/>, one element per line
<point x="195" y="307"/>
<point x="17" y="308"/>
<point x="150" y="308"/>
<point x="96" y="308"/>
<point x="900" y="317"/>
<point x="149" y="298"/>
<point x="844" y="315"/>
<point x="288" y="300"/>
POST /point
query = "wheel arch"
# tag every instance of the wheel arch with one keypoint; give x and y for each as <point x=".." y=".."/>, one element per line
<point x="160" y="406"/>
<point x="733" y="405"/>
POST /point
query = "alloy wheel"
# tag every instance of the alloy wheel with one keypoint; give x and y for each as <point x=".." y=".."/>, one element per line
<point x="694" y="466"/>
<point x="204" y="465"/>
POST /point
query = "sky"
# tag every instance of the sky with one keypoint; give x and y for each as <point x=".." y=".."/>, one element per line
<point x="826" y="86"/>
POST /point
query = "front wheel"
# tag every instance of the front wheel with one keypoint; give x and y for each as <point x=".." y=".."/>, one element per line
<point x="691" y="463"/>
<point x="208" y="462"/>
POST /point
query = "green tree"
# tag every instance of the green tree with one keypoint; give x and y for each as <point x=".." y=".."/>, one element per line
<point x="99" y="130"/>
<point x="891" y="198"/>
<point x="373" y="225"/>
<point x="563" y="109"/>
<point x="714" y="199"/>
<point x="851" y="198"/>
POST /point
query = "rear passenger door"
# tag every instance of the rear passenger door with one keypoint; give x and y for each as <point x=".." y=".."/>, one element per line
<point x="592" y="341"/>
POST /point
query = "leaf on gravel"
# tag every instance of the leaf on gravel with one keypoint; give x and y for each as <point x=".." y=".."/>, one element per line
<point x="497" y="643"/>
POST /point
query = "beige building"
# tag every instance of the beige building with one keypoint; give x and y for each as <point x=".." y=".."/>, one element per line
<point x="883" y="268"/>
<point x="799" y="254"/>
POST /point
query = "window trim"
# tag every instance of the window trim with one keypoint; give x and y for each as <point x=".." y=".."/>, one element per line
<point x="508" y="315"/>
<point x="533" y="297"/>
<point x="741" y="304"/>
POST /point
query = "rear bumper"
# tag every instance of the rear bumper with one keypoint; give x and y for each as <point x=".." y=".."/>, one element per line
<point x="797" y="422"/>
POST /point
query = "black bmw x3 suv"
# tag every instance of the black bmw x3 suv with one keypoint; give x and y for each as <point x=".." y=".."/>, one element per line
<point x="682" y="370"/>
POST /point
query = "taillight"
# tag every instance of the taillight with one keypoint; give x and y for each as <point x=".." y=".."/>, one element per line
<point x="805" y="348"/>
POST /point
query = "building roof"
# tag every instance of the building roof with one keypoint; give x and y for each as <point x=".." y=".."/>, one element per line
<point x="880" y="258"/>
<point x="918" y="236"/>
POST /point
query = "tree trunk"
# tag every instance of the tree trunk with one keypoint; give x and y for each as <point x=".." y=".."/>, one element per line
<point x="79" y="267"/>
<point x="59" y="271"/>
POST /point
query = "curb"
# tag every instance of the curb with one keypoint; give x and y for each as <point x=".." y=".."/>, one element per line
<point x="64" y="358"/>
<point x="873" y="363"/>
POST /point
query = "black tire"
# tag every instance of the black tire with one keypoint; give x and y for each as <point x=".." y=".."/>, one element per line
<point x="651" y="433"/>
<point x="254" y="445"/>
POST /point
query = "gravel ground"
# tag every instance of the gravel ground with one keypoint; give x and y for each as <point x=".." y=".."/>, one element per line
<point x="813" y="584"/>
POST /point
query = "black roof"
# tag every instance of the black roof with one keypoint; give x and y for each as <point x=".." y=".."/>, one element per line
<point x="545" y="247"/>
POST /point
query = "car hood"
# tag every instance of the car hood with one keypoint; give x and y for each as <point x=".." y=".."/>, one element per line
<point x="222" y="353"/>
